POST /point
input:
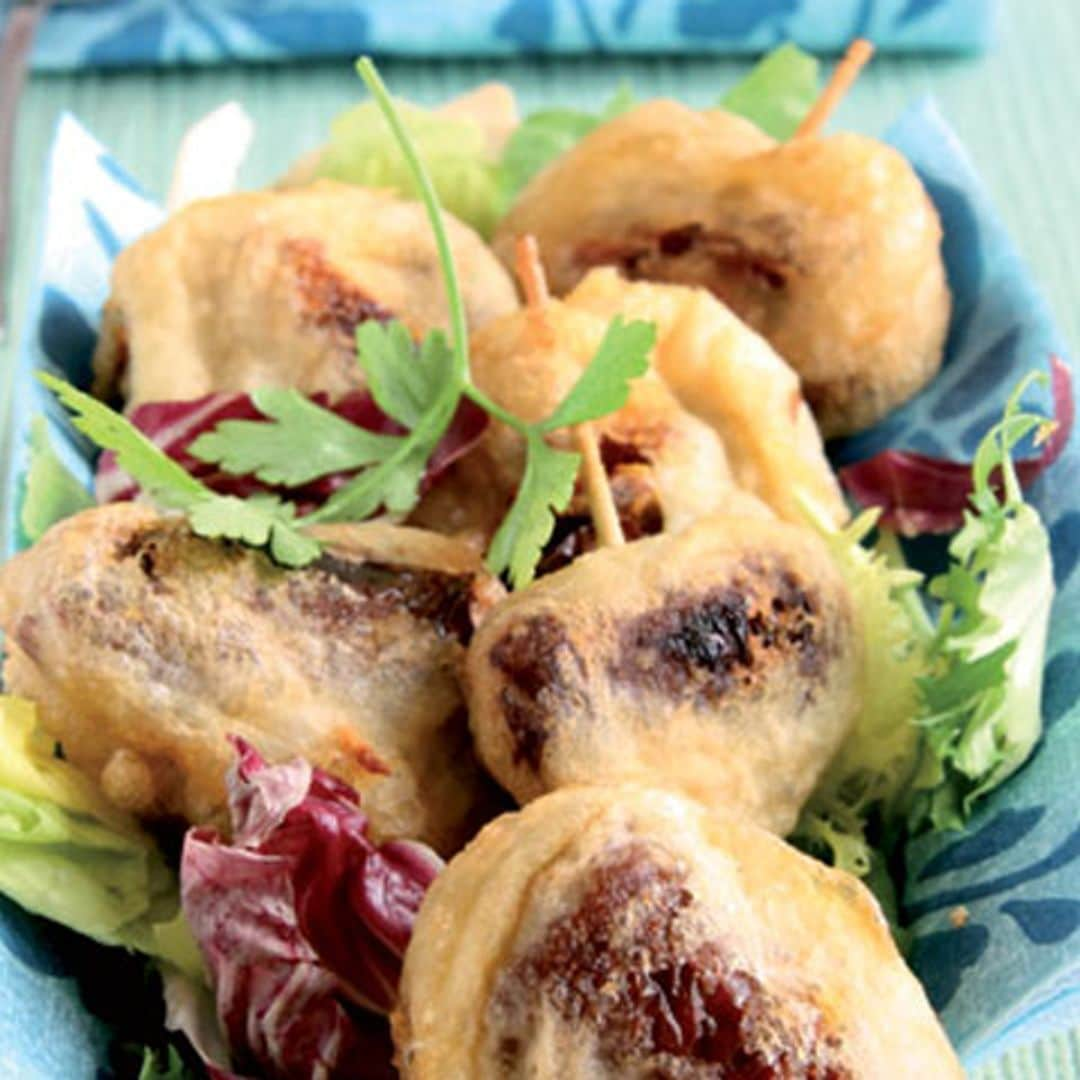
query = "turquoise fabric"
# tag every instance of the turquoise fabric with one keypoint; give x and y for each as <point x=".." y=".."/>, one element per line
<point x="1010" y="972"/>
<point x="125" y="32"/>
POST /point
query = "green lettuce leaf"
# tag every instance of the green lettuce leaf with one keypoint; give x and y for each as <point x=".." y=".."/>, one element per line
<point x="548" y="133"/>
<point x="871" y="774"/>
<point x="68" y="855"/>
<point x="981" y="702"/>
<point x="478" y="187"/>
<point x="778" y="91"/>
<point x="362" y="150"/>
<point x="165" y="1064"/>
<point x="50" y="492"/>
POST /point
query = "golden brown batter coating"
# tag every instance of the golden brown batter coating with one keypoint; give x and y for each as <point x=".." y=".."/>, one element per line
<point x="722" y="661"/>
<point x="723" y="372"/>
<point x="144" y="646"/>
<point x="628" y="933"/>
<point x="267" y="288"/>
<point x="829" y="246"/>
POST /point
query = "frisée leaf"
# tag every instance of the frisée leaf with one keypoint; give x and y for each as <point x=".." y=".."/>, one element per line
<point x="981" y="700"/>
<point x="871" y="774"/>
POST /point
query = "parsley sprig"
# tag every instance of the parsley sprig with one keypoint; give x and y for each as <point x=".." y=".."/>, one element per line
<point x="261" y="521"/>
<point x="417" y="384"/>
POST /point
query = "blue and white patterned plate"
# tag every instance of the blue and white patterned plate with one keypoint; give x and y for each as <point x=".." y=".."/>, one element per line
<point x="1013" y="969"/>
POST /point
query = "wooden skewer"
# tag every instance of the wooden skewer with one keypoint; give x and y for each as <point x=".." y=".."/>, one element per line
<point x="530" y="272"/>
<point x="844" y="74"/>
<point x="605" y="517"/>
<point x="601" y="505"/>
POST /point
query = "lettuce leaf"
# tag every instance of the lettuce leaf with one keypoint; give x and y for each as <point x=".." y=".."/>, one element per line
<point x="547" y="134"/>
<point x="362" y="150"/>
<point x="50" y="492"/>
<point x="778" y="91"/>
<point x="869" y="778"/>
<point x="68" y="855"/>
<point x="164" y="1064"/>
<point x="981" y="702"/>
<point x="478" y="188"/>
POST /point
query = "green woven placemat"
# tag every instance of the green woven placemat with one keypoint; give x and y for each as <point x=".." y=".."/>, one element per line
<point x="1014" y="109"/>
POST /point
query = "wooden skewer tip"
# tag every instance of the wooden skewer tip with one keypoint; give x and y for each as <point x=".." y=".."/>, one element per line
<point x="530" y="271"/>
<point x="844" y="75"/>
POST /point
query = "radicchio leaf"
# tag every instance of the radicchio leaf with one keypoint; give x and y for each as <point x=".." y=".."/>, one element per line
<point x="174" y="425"/>
<point x="919" y="494"/>
<point x="303" y="921"/>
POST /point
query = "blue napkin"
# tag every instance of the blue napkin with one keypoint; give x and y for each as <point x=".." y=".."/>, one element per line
<point x="125" y="32"/>
<point x="1012" y="970"/>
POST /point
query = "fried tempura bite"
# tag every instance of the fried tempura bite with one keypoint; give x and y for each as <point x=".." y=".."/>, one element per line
<point x="145" y="646"/>
<point x="830" y="247"/>
<point x="623" y="932"/>
<point x="723" y="372"/>
<point x="267" y="289"/>
<point x="722" y="661"/>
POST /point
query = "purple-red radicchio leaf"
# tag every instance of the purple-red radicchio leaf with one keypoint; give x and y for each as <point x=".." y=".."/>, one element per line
<point x="919" y="494"/>
<point x="303" y="921"/>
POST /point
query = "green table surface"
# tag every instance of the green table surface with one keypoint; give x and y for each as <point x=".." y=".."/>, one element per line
<point x="1015" y="108"/>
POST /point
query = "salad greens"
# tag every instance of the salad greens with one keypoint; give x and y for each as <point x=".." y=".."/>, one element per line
<point x="166" y="1064"/>
<point x="778" y="91"/>
<point x="952" y="707"/>
<point x="872" y="772"/>
<point x="478" y="187"/>
<point x="49" y="491"/>
<point x="304" y="920"/>
<point x="981" y="697"/>
<point x="363" y="150"/>
<point x="547" y="134"/>
<point x="67" y="854"/>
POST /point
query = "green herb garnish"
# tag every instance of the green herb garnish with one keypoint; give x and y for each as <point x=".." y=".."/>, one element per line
<point x="262" y="521"/>
<point x="548" y="481"/>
